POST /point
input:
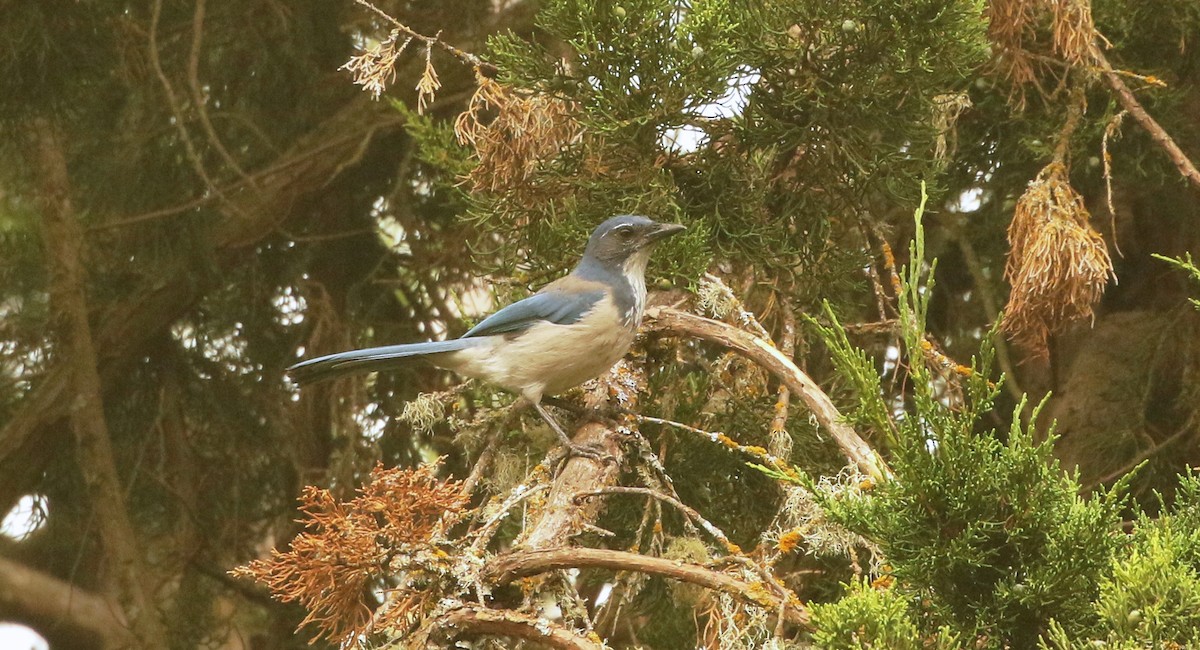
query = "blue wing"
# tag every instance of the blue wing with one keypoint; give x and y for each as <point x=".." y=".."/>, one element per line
<point x="555" y="306"/>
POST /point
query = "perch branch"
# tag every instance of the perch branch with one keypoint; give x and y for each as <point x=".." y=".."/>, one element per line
<point x="561" y="517"/>
<point x="759" y="454"/>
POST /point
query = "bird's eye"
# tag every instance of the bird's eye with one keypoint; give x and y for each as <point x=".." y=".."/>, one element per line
<point x="624" y="233"/>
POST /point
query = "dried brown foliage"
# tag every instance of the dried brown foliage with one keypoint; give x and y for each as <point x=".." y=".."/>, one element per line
<point x="348" y="547"/>
<point x="1021" y="60"/>
<point x="1058" y="264"/>
<point x="947" y="108"/>
<point x="512" y="132"/>
<point x="429" y="83"/>
<point x="1010" y="27"/>
<point x="1074" y="31"/>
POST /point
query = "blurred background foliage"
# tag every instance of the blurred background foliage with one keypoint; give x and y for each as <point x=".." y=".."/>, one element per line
<point x="242" y="204"/>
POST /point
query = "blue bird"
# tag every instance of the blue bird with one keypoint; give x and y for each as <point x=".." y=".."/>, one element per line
<point x="571" y="331"/>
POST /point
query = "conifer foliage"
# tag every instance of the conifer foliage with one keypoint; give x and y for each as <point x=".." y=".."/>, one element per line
<point x="888" y="393"/>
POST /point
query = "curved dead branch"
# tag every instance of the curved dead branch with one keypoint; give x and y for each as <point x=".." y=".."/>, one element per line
<point x="673" y="321"/>
<point x="522" y="564"/>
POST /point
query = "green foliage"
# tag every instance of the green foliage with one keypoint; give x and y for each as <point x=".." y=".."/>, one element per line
<point x="867" y="617"/>
<point x="769" y="91"/>
<point x="1184" y="264"/>
<point x="637" y="66"/>
<point x="986" y="532"/>
<point x="1154" y="594"/>
<point x="1150" y="597"/>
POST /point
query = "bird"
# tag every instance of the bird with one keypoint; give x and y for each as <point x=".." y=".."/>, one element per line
<point x="572" y="330"/>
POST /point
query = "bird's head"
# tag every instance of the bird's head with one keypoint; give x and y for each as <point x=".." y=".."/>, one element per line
<point x="625" y="242"/>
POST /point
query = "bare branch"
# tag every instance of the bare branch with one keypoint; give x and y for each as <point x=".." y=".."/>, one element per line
<point x="561" y="517"/>
<point x="759" y="454"/>
<point x="781" y="440"/>
<point x="1157" y="133"/>
<point x="173" y="103"/>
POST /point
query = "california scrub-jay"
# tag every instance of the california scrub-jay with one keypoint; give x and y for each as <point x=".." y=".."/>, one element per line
<point x="571" y="331"/>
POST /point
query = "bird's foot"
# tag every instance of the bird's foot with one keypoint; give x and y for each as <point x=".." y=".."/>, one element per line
<point x="594" y="451"/>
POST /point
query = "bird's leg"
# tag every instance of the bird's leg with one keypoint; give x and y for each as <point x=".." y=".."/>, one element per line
<point x="607" y="412"/>
<point x="573" y="448"/>
<point x="559" y="403"/>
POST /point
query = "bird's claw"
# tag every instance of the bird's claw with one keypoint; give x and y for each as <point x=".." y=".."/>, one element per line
<point x="593" y="451"/>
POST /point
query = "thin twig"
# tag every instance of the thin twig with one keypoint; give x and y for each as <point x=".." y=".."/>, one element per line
<point x="474" y="621"/>
<point x="688" y="511"/>
<point x="1111" y="131"/>
<point x="881" y="300"/>
<point x="198" y="95"/>
<point x="991" y="310"/>
<point x="219" y="193"/>
<point x="193" y="155"/>
<point x="1142" y="456"/>
<point x="933" y="356"/>
<point x="516" y="496"/>
<point x="735" y="552"/>
<point x="1075" y="111"/>
<point x="430" y="41"/>
<point x="483" y="463"/>
<point x="757" y="453"/>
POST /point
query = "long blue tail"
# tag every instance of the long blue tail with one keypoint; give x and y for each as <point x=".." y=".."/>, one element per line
<point x="370" y="359"/>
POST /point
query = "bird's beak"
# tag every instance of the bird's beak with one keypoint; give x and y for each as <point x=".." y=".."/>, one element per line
<point x="665" y="230"/>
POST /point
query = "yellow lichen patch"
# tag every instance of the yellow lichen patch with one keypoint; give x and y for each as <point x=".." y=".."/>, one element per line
<point x="758" y="592"/>
<point x="789" y="541"/>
